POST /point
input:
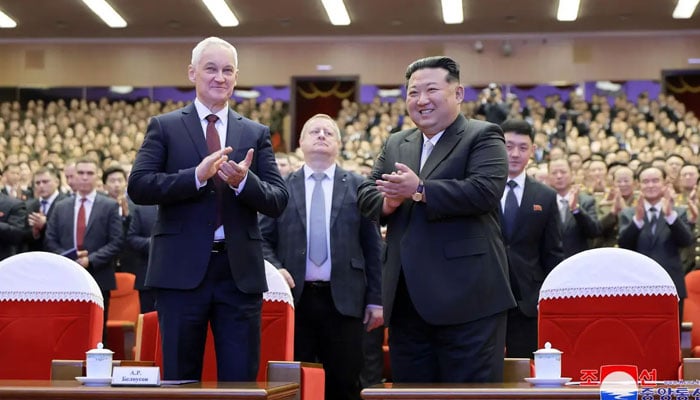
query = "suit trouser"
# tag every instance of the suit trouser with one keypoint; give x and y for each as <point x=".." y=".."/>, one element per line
<point x="184" y="316"/>
<point x="106" y="295"/>
<point x="373" y="352"/>
<point x="322" y="334"/>
<point x="422" y="352"/>
<point x="521" y="334"/>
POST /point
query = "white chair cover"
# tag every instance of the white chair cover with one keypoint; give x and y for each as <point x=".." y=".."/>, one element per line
<point x="42" y="276"/>
<point x="607" y="271"/>
<point x="278" y="290"/>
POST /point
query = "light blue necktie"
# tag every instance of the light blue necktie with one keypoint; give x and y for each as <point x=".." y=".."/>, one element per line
<point x="318" y="248"/>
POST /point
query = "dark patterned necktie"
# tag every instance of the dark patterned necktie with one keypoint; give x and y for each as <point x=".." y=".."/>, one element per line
<point x="510" y="209"/>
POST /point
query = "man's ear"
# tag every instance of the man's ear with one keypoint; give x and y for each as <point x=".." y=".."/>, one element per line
<point x="190" y="73"/>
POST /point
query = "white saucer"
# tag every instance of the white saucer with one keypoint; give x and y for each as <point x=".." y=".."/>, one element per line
<point x="548" y="381"/>
<point x="94" y="381"/>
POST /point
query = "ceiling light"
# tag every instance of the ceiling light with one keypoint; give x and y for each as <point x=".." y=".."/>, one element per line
<point x="568" y="10"/>
<point x="6" y="21"/>
<point x="685" y="9"/>
<point x="452" y="11"/>
<point x="221" y="12"/>
<point x="106" y="13"/>
<point x="336" y="11"/>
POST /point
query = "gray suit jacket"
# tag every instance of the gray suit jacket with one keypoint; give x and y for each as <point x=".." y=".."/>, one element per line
<point x="354" y="241"/>
<point x="103" y="236"/>
<point x="663" y="247"/>
<point x="450" y="248"/>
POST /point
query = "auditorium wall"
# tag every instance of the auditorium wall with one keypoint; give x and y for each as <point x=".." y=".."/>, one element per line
<point x="534" y="59"/>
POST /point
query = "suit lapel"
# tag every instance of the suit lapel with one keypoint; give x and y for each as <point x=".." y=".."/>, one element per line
<point x="340" y="186"/>
<point x="297" y="191"/>
<point x="444" y="146"/>
<point x="194" y="129"/>
<point x="234" y="131"/>
<point x="410" y="150"/>
<point x="96" y="207"/>
<point x="526" y="204"/>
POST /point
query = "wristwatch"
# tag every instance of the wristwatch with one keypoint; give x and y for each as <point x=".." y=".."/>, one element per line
<point x="418" y="195"/>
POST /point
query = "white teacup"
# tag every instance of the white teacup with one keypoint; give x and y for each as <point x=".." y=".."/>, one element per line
<point x="548" y="362"/>
<point x="99" y="362"/>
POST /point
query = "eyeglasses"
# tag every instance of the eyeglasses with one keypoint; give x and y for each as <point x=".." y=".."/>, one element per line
<point x="322" y="131"/>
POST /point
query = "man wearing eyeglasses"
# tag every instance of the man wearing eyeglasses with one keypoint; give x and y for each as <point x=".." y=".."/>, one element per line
<point x="330" y="256"/>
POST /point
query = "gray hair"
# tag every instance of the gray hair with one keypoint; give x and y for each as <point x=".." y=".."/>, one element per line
<point x="212" y="40"/>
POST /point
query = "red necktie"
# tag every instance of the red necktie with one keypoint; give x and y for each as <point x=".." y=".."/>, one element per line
<point x="214" y="144"/>
<point x="80" y="225"/>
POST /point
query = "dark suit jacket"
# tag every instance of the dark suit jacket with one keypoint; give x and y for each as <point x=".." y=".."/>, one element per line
<point x="34" y="205"/>
<point x="13" y="225"/>
<point x="579" y="228"/>
<point x="355" y="244"/>
<point x="450" y="248"/>
<point x="535" y="246"/>
<point x="663" y="247"/>
<point x="164" y="174"/>
<point x="138" y="238"/>
<point x="103" y="236"/>
<point x="24" y="194"/>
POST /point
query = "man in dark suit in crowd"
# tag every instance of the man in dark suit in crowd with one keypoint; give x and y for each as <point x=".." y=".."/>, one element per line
<point x="577" y="210"/>
<point x="114" y="184"/>
<point x="656" y="228"/>
<point x="210" y="171"/>
<point x="532" y="233"/>
<point x="138" y="238"/>
<point x="89" y="223"/>
<point x="445" y="278"/>
<point x="12" y="188"/>
<point x="39" y="208"/>
<point x="13" y="225"/>
<point x="336" y="283"/>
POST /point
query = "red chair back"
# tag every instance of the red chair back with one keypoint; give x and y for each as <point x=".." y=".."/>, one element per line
<point x="691" y="307"/>
<point x="124" y="300"/>
<point x="50" y="308"/>
<point x="611" y="306"/>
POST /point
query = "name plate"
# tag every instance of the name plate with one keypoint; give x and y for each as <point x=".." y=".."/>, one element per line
<point x="136" y="376"/>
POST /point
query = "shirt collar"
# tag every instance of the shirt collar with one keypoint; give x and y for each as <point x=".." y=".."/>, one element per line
<point x="330" y="171"/>
<point x="648" y="205"/>
<point x="433" y="139"/>
<point x="203" y="112"/>
<point x="90" y="196"/>
<point x="520" y="180"/>
<point x="51" y="198"/>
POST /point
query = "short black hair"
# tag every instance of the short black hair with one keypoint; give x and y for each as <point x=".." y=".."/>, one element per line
<point x="645" y="166"/>
<point x="443" y="62"/>
<point x="111" y="170"/>
<point x="518" y="126"/>
<point x="48" y="170"/>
